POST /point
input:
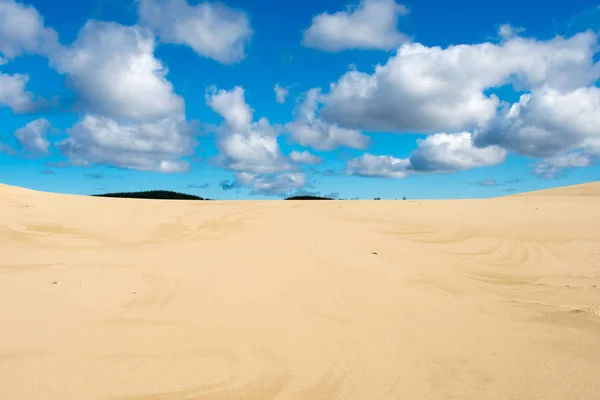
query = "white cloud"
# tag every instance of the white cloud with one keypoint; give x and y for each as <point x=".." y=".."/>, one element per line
<point x="115" y="74"/>
<point x="309" y="130"/>
<point x="378" y="166"/>
<point x="278" y="184"/>
<point x="305" y="157"/>
<point x="145" y="146"/>
<point x="439" y="153"/>
<point x="250" y="149"/>
<point x="553" y="166"/>
<point x="371" y="24"/>
<point x="548" y="122"/>
<point x="244" y="145"/>
<point x="13" y="93"/>
<point x="22" y="31"/>
<point x="507" y="31"/>
<point x="132" y="118"/>
<point x="32" y="137"/>
<point x="266" y="184"/>
<point x="281" y="93"/>
<point x="429" y="89"/>
<point x="212" y="30"/>
<point x="445" y="152"/>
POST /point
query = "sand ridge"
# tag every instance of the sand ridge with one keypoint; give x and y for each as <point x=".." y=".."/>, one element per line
<point x="147" y="300"/>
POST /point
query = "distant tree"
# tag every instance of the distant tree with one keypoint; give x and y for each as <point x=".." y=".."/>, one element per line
<point x="308" y="197"/>
<point x="377" y="198"/>
<point x="404" y="198"/>
<point x="152" y="194"/>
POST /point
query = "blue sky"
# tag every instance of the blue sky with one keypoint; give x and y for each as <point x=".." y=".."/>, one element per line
<point x="428" y="99"/>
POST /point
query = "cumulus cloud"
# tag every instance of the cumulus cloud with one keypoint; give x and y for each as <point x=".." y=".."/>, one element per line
<point x="309" y="130"/>
<point x="144" y="146"/>
<point x="439" y="153"/>
<point x="32" y="137"/>
<point x="250" y="149"/>
<point x="445" y="152"/>
<point x="305" y="157"/>
<point x="266" y="184"/>
<point x="430" y="89"/>
<point x="553" y="167"/>
<point x="115" y="74"/>
<point x="22" y="31"/>
<point x="13" y="93"/>
<point x="548" y="122"/>
<point x="212" y="30"/>
<point x="281" y="93"/>
<point x="132" y="118"/>
<point x="378" y="166"/>
<point x="279" y="184"/>
<point x="370" y="24"/>
<point x="243" y="145"/>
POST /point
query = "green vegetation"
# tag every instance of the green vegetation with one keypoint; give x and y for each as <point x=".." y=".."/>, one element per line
<point x="152" y="194"/>
<point x="308" y="198"/>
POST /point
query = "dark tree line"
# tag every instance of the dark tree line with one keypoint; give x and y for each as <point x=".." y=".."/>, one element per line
<point x="169" y="195"/>
<point x="152" y="194"/>
<point x="308" y="198"/>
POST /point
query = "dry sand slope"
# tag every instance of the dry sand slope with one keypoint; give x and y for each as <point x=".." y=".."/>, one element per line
<point x="148" y="300"/>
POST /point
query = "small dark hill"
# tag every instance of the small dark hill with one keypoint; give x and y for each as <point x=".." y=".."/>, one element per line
<point x="152" y="194"/>
<point x="308" y="198"/>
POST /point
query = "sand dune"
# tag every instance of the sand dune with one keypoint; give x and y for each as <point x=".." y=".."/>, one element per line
<point x="147" y="300"/>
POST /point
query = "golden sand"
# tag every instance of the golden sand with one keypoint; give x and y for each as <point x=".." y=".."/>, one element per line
<point x="243" y="300"/>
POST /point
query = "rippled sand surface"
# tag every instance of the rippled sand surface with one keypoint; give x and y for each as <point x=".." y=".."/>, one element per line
<point x="148" y="300"/>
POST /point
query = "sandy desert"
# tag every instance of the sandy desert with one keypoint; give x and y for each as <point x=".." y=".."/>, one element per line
<point x="175" y="300"/>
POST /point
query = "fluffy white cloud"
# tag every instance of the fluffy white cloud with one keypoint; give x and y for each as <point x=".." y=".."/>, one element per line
<point x="132" y="118"/>
<point x="548" y="122"/>
<point x="305" y="157"/>
<point x="309" y="130"/>
<point x="250" y="149"/>
<point x="278" y="184"/>
<point x="13" y="93"/>
<point x="439" y="153"/>
<point x="244" y="145"/>
<point x="22" y="31"/>
<point x="32" y="137"/>
<point x="378" y="166"/>
<point x="553" y="166"/>
<point x="445" y="152"/>
<point x="266" y="184"/>
<point x="145" y="146"/>
<point x="429" y="89"/>
<point x="115" y="74"/>
<point x="281" y="93"/>
<point x="212" y="30"/>
<point x="371" y="24"/>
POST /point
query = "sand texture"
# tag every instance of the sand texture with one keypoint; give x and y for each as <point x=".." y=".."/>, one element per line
<point x="174" y="300"/>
